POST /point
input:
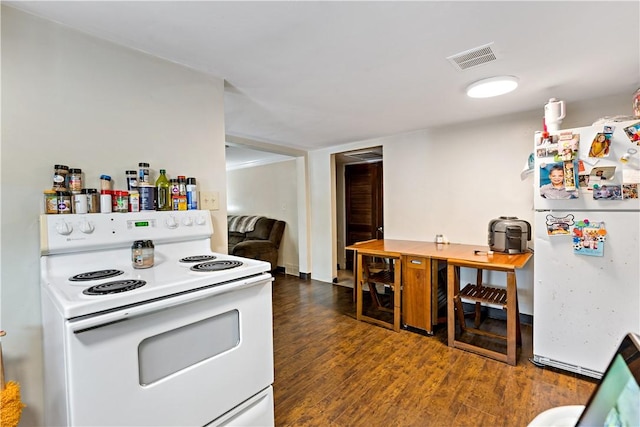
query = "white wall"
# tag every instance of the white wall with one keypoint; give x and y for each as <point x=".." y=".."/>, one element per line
<point x="72" y="99"/>
<point x="450" y="180"/>
<point x="270" y="190"/>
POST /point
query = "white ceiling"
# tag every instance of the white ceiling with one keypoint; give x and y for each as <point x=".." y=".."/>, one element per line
<point x="308" y="74"/>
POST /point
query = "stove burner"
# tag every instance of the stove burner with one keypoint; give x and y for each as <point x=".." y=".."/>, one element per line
<point x="95" y="275"/>
<point x="114" y="287"/>
<point x="197" y="258"/>
<point x="216" y="265"/>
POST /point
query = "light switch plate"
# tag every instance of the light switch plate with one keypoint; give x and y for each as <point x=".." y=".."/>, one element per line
<point x="209" y="200"/>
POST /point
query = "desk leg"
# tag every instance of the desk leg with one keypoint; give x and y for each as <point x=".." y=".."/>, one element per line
<point x="512" y="313"/>
<point x="358" y="288"/>
<point x="355" y="275"/>
<point x="397" y="292"/>
<point x="453" y="289"/>
<point x="435" y="285"/>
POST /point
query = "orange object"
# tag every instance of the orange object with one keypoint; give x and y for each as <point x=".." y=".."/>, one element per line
<point x="10" y="404"/>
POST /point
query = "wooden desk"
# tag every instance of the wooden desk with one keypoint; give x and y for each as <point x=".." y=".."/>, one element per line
<point x="407" y="250"/>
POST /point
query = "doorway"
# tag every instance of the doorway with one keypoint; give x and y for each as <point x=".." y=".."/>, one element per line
<point x="360" y="194"/>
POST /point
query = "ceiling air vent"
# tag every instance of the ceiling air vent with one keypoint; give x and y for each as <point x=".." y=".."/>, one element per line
<point x="473" y="57"/>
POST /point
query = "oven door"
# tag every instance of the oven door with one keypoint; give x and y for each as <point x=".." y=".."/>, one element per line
<point x="183" y="360"/>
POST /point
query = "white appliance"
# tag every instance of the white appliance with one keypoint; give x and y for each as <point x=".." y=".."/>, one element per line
<point x="584" y="305"/>
<point x="186" y="342"/>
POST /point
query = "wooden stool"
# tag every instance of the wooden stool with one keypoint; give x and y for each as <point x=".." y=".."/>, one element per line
<point x="479" y="294"/>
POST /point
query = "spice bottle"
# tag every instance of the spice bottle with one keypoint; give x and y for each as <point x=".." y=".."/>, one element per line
<point x="134" y="201"/>
<point x="132" y="180"/>
<point x="121" y="203"/>
<point x="182" y="185"/>
<point x="64" y="202"/>
<point x="142" y="254"/>
<point x="75" y="180"/>
<point x="105" y="182"/>
<point x="105" y="201"/>
<point x="60" y="173"/>
<point x="143" y="173"/>
<point x="80" y="202"/>
<point x="93" y="200"/>
<point x="50" y="202"/>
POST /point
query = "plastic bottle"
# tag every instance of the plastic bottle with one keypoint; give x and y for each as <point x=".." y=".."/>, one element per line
<point x="106" y="205"/>
<point x="105" y="182"/>
<point x="182" y="185"/>
<point x="132" y="180"/>
<point x="163" y="192"/>
<point x="192" y="194"/>
<point x="175" y="193"/>
<point x="143" y="173"/>
<point x="80" y="202"/>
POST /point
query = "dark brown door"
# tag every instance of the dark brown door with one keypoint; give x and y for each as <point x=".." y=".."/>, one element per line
<point x="363" y="203"/>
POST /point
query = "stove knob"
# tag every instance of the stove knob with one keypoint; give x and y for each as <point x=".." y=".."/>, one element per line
<point x="171" y="222"/>
<point x="64" y="228"/>
<point x="188" y="221"/>
<point x="87" y="227"/>
<point x="200" y="220"/>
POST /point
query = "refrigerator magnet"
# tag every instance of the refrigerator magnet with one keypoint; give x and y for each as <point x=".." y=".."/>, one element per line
<point x="600" y="145"/>
<point x="589" y="238"/>
<point x="633" y="133"/>
<point x="559" y="226"/>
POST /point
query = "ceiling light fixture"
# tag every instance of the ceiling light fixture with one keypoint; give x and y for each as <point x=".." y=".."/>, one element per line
<point x="493" y="86"/>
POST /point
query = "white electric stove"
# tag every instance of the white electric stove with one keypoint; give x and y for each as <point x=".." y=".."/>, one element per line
<point x="187" y="341"/>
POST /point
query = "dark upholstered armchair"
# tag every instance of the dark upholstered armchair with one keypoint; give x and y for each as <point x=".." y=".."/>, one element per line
<point x="255" y="237"/>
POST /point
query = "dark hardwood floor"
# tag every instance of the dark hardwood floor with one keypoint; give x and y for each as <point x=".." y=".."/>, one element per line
<point x="331" y="370"/>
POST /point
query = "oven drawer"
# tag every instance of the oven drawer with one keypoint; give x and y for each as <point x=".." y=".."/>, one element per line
<point x="201" y="354"/>
<point x="257" y="411"/>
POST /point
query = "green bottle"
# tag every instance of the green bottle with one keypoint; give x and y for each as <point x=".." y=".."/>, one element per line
<point x="163" y="192"/>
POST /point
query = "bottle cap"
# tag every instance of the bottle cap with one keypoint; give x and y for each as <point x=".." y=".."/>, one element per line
<point x="105" y="177"/>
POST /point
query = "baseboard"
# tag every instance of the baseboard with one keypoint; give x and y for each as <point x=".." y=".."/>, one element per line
<point x="305" y="276"/>
<point x="280" y="269"/>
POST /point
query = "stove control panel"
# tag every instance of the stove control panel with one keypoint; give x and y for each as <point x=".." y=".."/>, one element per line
<point x="81" y="232"/>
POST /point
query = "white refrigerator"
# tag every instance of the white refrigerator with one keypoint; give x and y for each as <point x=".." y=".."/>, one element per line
<point x="587" y="250"/>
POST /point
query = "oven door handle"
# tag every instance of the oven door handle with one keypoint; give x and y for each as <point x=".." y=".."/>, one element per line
<point x="80" y="325"/>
